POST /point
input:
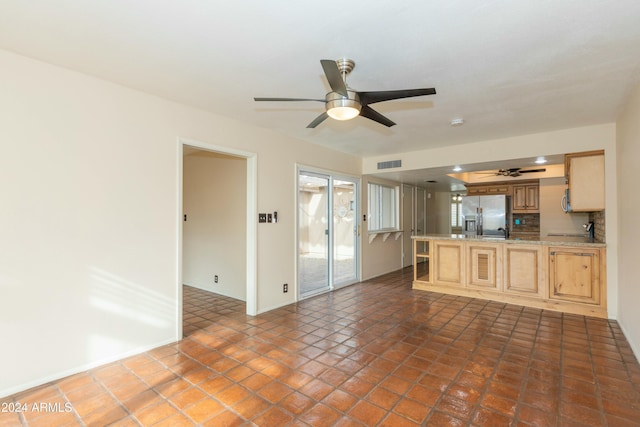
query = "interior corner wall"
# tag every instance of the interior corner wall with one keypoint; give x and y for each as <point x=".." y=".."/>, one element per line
<point x="552" y="218"/>
<point x="432" y="210"/>
<point x="89" y="178"/>
<point x="442" y="212"/>
<point x="214" y="233"/>
<point x="628" y="175"/>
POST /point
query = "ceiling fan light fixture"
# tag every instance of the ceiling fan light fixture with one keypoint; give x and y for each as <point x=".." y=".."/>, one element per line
<point x="343" y="103"/>
<point x="343" y="107"/>
<point x="343" y="112"/>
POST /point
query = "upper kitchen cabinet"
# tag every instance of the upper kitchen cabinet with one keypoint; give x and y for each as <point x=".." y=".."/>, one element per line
<point x="585" y="178"/>
<point x="488" y="189"/>
<point x="526" y="198"/>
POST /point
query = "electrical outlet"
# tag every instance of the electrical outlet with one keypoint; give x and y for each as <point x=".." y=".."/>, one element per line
<point x="262" y="217"/>
<point x="285" y="288"/>
<point x="215" y="279"/>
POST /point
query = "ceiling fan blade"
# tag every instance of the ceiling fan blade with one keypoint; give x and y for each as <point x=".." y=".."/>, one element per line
<point x="387" y="95"/>
<point x="334" y="77"/>
<point x="321" y="118"/>
<point x="288" y="99"/>
<point x="372" y="114"/>
<point x="532" y="170"/>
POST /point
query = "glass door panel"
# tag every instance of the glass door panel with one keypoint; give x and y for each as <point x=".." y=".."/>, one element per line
<point x="345" y="231"/>
<point x="313" y="233"/>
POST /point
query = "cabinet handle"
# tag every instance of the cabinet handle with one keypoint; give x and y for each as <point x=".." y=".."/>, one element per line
<point x="576" y="254"/>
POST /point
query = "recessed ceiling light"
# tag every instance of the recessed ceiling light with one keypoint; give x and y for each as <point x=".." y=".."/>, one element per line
<point x="541" y="160"/>
<point x="457" y="122"/>
<point x="457" y="169"/>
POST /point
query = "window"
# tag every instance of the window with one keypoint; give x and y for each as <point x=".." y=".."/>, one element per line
<point x="383" y="207"/>
<point x="456" y="213"/>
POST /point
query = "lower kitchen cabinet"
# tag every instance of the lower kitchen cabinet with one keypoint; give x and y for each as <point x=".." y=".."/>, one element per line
<point x="484" y="260"/>
<point x="548" y="276"/>
<point x="448" y="260"/>
<point x="575" y="274"/>
<point x="524" y="270"/>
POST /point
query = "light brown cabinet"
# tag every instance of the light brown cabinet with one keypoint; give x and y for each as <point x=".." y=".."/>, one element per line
<point x="544" y="275"/>
<point x="483" y="266"/>
<point x="585" y="177"/>
<point x="526" y="198"/>
<point x="575" y="274"/>
<point x="484" y="190"/>
<point x="523" y="270"/>
<point x="448" y="262"/>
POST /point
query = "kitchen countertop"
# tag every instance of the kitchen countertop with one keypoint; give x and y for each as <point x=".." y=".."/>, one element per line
<point x="548" y="240"/>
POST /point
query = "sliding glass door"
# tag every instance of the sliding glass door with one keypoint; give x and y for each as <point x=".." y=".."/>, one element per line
<point x="345" y="232"/>
<point x="327" y="232"/>
<point x="313" y="233"/>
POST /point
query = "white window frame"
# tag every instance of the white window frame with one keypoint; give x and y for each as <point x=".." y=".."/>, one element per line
<point x="380" y="208"/>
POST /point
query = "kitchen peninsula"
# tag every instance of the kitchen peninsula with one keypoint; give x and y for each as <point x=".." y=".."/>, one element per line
<point x="566" y="274"/>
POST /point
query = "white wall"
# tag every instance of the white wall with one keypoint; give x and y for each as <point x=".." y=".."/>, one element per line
<point x="214" y="235"/>
<point x="628" y="175"/>
<point x="442" y="212"/>
<point x="552" y="218"/>
<point x="89" y="175"/>
<point x="598" y="137"/>
<point x="378" y="256"/>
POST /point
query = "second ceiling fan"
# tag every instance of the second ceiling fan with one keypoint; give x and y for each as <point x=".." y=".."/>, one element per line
<point x="344" y="103"/>
<point x="515" y="172"/>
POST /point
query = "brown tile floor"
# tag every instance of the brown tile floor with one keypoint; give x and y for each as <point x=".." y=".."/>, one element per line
<point x="376" y="353"/>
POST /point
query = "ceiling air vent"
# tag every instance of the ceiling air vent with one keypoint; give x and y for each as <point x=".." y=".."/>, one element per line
<point x="390" y="164"/>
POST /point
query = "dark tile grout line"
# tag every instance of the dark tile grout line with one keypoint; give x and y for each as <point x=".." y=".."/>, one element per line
<point x="595" y="376"/>
<point x="523" y="386"/>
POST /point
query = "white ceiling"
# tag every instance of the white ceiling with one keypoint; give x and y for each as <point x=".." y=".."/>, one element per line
<point x="507" y="67"/>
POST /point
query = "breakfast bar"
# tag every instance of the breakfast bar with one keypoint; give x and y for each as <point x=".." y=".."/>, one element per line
<point x="559" y="273"/>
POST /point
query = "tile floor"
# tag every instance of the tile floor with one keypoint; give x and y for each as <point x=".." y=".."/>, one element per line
<point x="372" y="354"/>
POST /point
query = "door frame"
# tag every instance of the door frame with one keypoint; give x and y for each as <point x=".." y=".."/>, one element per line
<point x="408" y="227"/>
<point x="251" y="225"/>
<point x="331" y="175"/>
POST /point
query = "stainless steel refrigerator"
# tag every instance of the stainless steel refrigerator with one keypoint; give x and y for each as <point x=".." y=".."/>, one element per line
<point x="484" y="215"/>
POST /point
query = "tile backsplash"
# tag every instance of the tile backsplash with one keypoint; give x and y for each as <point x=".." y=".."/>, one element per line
<point x="599" y="225"/>
<point x="529" y="223"/>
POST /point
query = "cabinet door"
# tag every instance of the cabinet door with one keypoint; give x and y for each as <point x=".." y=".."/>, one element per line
<point x="532" y="197"/>
<point x="525" y="198"/>
<point x="574" y="274"/>
<point x="476" y="190"/>
<point x="523" y="270"/>
<point x="586" y="183"/>
<point x="448" y="259"/>
<point x="483" y="264"/>
<point x="519" y="197"/>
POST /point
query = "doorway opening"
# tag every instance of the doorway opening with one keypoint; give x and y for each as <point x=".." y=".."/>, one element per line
<point x="217" y="237"/>
<point x="414" y="220"/>
<point x="328" y="234"/>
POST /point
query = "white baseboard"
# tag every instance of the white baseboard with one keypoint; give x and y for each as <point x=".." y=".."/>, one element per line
<point x="63" y="374"/>
<point x="634" y="346"/>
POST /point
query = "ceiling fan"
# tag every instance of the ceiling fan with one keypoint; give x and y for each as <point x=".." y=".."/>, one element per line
<point x="344" y="103"/>
<point x="514" y="172"/>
